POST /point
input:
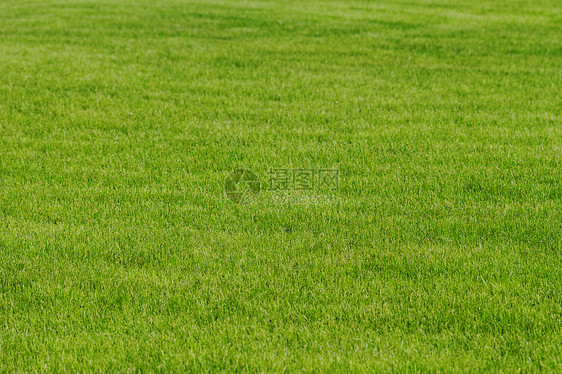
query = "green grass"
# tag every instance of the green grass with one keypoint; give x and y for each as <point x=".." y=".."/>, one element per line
<point x="120" y="120"/>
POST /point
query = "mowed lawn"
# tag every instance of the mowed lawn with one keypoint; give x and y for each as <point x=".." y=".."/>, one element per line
<point x="120" y="120"/>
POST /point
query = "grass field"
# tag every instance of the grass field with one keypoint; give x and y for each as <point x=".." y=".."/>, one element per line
<point x="121" y="120"/>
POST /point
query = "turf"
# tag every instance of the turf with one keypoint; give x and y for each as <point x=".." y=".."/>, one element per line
<point x="121" y="120"/>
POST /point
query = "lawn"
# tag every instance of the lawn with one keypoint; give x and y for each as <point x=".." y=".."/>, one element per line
<point x="122" y="248"/>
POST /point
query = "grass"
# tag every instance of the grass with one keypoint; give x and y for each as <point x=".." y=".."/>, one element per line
<point x="121" y="120"/>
